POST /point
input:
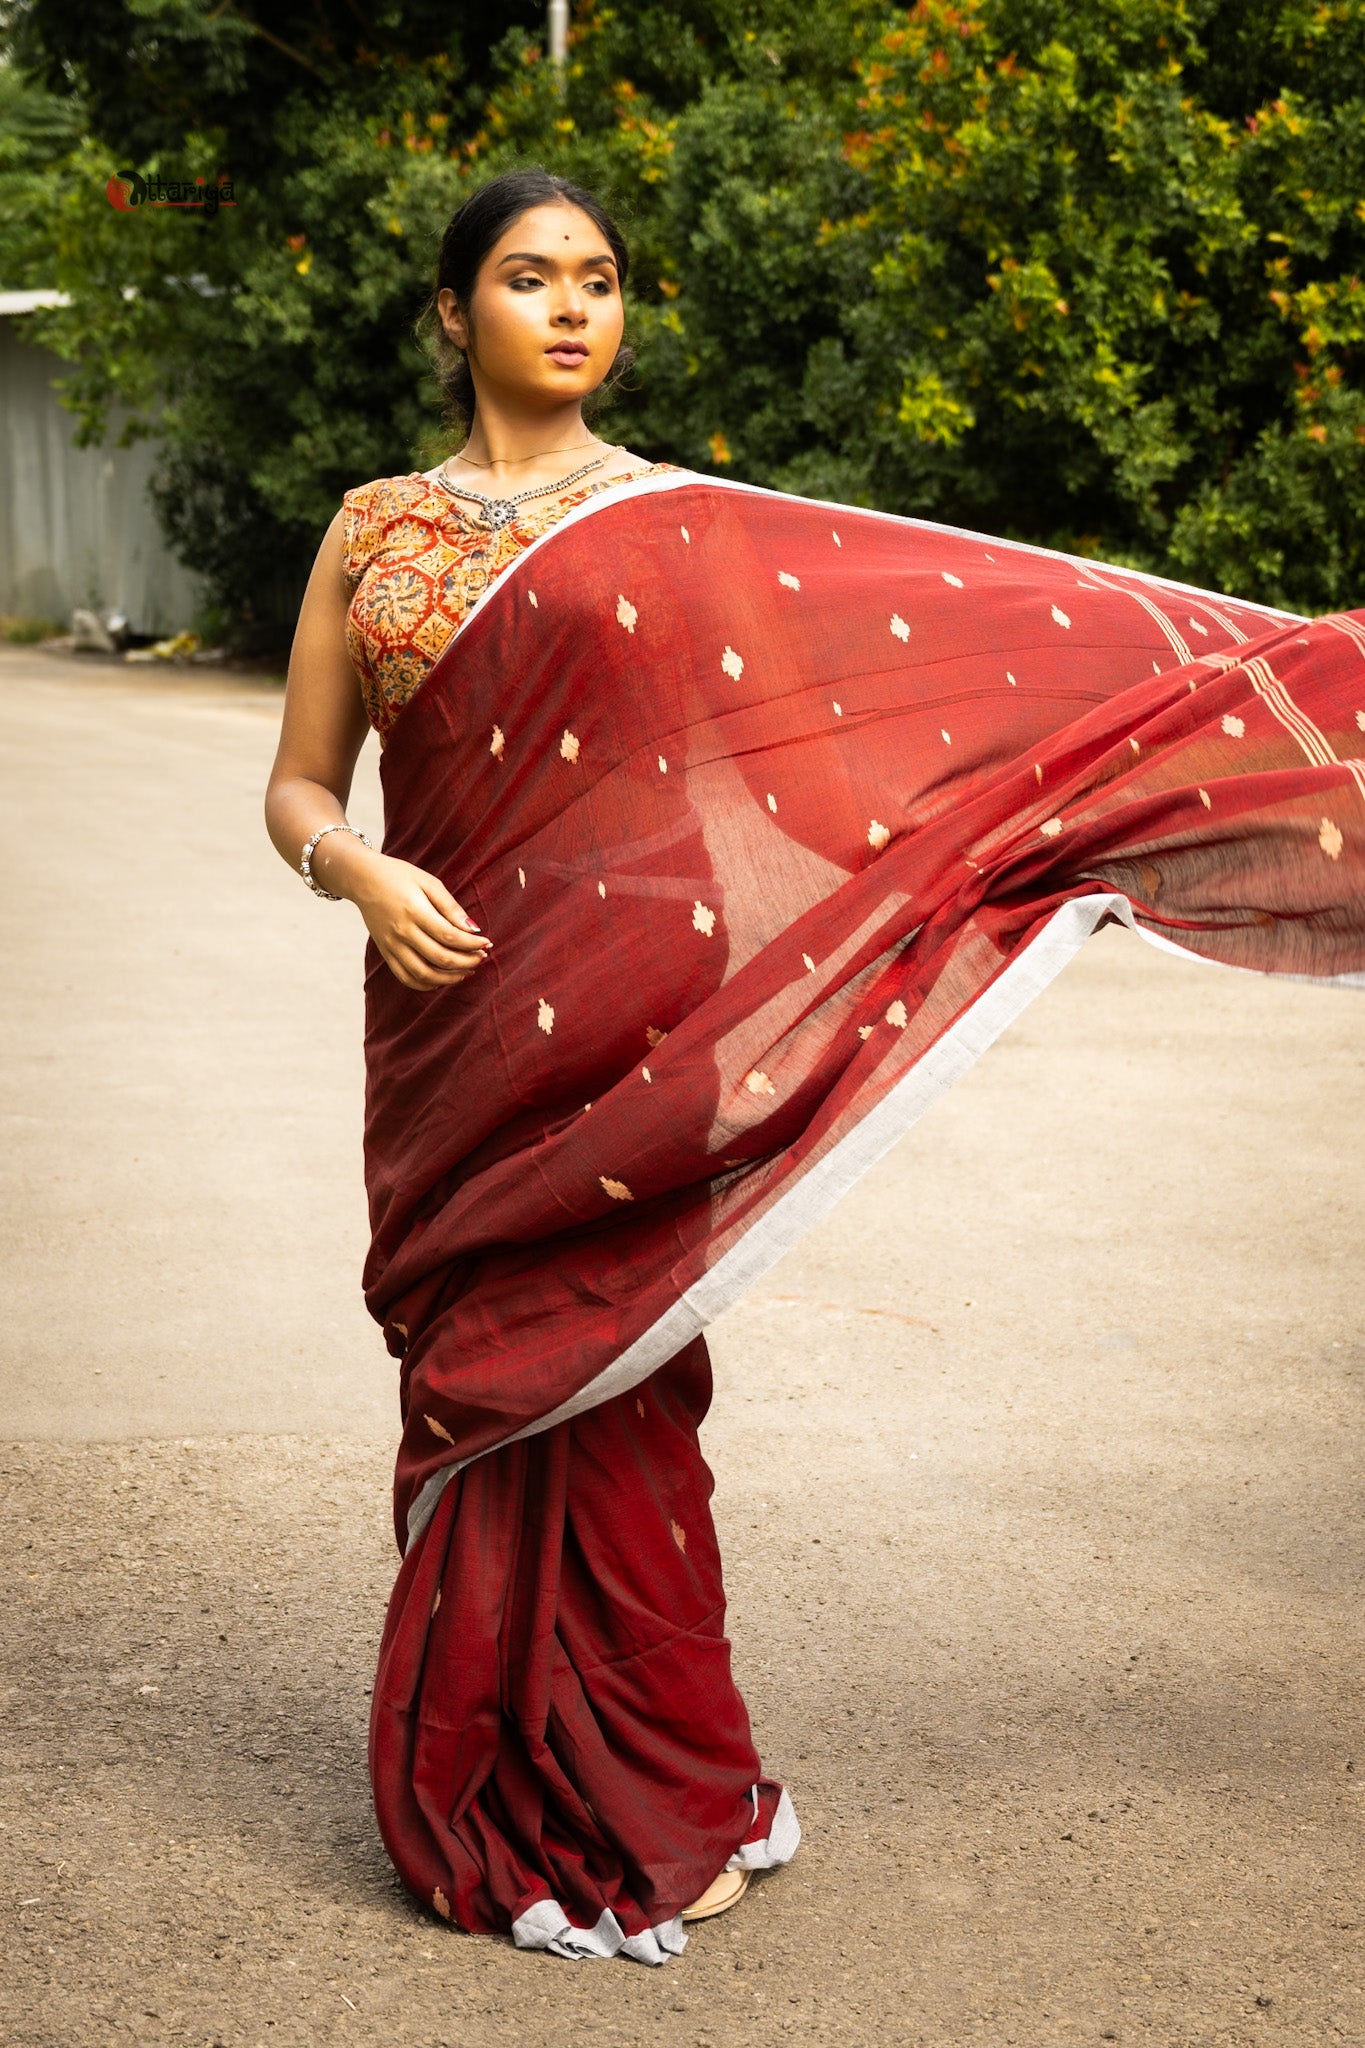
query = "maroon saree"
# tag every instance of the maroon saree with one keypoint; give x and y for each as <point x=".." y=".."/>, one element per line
<point x="777" y="814"/>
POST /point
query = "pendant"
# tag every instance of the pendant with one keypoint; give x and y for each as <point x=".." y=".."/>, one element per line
<point x="499" y="512"/>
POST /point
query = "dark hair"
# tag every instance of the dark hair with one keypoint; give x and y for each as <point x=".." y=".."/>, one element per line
<point x="472" y="231"/>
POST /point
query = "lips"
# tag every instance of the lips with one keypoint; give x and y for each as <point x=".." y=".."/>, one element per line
<point x="569" y="353"/>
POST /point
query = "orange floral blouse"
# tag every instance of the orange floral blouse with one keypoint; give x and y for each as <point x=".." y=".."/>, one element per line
<point x="415" y="561"/>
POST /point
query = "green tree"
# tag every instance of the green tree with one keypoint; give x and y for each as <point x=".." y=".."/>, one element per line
<point x="1087" y="274"/>
<point x="270" y="349"/>
<point x="1115" y="258"/>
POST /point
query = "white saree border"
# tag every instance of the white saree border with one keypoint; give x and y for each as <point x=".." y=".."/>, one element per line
<point x="689" y="479"/>
<point x="547" y="1926"/>
<point x="774" y="1234"/>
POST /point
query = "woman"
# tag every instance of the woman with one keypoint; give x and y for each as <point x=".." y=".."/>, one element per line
<point x="723" y="830"/>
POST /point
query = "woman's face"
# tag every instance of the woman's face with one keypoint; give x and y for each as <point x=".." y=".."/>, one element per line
<point x="546" y="317"/>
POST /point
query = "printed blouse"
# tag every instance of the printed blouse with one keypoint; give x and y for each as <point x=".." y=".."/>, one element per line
<point x="415" y="561"/>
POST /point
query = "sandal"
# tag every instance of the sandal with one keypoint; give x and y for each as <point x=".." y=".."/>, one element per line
<point x="725" y="1891"/>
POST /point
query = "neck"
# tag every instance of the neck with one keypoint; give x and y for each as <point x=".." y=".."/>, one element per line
<point x="501" y="435"/>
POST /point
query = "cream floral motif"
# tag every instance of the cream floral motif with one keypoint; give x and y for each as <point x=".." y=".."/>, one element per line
<point x="899" y="627"/>
<point x="947" y="736"/>
<point x="1060" y="616"/>
<point x="1234" y="727"/>
<point x="663" y="765"/>
<point x="1200" y="629"/>
<point x="1051" y="828"/>
<point x="438" y="1429"/>
<point x="772" y="802"/>
<point x="568" y="747"/>
<point x="732" y="663"/>
<point x="654" y="1035"/>
<point x="626" y="614"/>
<point x="789" y="582"/>
<point x="810" y="964"/>
<point x="897" y="1015"/>
<point x="878" y="835"/>
<point x="1330" y="839"/>
<point x="757" y="1082"/>
<point x="1360" y="720"/>
<point x="837" y="542"/>
<point x="646" y="1074"/>
<point x="948" y="577"/>
<point x="533" y="600"/>
<point x="414" y="562"/>
<point x="838" y="707"/>
<point x="438" y="1898"/>
<point x="686" y="535"/>
<point x="601" y="888"/>
<point x="430" y="637"/>
<point x="497" y="743"/>
<point x="1206" y="800"/>
<point x="703" y="920"/>
<point x="1010" y="680"/>
<point x="545" y="1017"/>
<point x="617" y="1189"/>
<point x="865" y="1031"/>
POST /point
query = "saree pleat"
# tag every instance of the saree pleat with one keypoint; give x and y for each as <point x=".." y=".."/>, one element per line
<point x="777" y="813"/>
<point x="555" y="1722"/>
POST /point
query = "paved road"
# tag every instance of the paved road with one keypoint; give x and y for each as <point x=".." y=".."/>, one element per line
<point x="1038" y="1476"/>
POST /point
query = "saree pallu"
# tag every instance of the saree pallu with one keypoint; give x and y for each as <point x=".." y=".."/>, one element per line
<point x="777" y="814"/>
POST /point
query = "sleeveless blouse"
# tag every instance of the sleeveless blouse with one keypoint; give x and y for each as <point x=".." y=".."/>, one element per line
<point x="415" y="561"/>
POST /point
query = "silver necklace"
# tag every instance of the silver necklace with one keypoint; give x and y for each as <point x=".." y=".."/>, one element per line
<point x="500" y="512"/>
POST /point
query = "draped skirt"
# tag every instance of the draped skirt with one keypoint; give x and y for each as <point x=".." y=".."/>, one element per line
<point x="558" y="1748"/>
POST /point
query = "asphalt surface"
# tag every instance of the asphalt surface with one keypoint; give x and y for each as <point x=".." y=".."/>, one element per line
<point x="1038" y="1482"/>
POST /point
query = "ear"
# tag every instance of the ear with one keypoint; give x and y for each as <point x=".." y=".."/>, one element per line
<point x="452" y="319"/>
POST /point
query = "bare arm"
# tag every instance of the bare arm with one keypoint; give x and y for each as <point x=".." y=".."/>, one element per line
<point x="422" y="932"/>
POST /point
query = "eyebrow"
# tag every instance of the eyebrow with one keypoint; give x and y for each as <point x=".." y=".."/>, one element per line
<point x="530" y="256"/>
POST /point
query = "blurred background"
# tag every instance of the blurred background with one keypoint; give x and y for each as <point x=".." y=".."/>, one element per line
<point x="1086" y="274"/>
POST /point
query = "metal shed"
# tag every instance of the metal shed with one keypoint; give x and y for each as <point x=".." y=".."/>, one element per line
<point x="76" y="524"/>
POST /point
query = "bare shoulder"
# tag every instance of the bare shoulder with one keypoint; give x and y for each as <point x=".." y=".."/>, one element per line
<point x="627" y="463"/>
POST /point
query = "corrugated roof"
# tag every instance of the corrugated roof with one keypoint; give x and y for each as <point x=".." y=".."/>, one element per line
<point x="31" y="302"/>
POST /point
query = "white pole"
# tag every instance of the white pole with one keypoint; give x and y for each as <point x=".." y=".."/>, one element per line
<point x="559" y="31"/>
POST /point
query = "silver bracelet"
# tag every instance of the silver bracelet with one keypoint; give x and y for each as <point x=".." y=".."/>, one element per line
<point x="306" y="864"/>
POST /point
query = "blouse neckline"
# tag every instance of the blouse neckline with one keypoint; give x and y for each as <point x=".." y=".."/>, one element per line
<point x="534" y="505"/>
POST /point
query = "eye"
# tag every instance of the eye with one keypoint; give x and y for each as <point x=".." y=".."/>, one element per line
<point x="528" y="281"/>
<point x="599" y="287"/>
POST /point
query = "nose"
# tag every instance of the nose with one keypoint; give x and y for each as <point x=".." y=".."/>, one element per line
<point x="571" y="308"/>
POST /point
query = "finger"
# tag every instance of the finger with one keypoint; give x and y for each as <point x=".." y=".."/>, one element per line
<point x="443" y="953"/>
<point x="414" y="972"/>
<point x="437" y="893"/>
<point x="429" y="921"/>
<point x="398" y="968"/>
<point x="437" y="966"/>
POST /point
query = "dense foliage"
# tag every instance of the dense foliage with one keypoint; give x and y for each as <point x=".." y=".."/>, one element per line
<point x="1086" y="273"/>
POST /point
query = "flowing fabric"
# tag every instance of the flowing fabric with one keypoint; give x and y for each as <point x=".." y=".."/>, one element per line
<point x="776" y="813"/>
